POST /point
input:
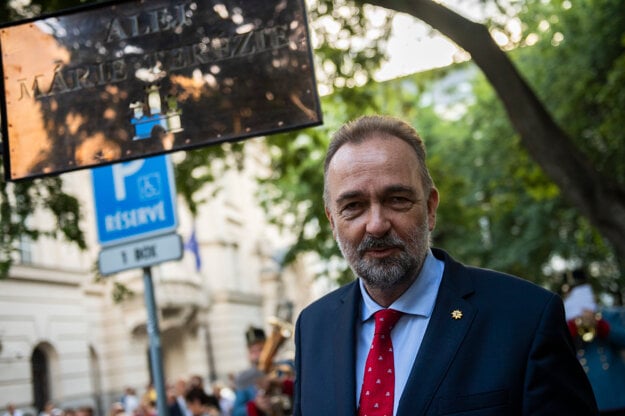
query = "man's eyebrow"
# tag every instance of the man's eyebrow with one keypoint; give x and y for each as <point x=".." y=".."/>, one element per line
<point x="348" y="195"/>
<point x="391" y="189"/>
<point x="400" y="189"/>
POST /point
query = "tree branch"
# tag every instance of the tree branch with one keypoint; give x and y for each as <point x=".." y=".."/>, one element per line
<point x="598" y="198"/>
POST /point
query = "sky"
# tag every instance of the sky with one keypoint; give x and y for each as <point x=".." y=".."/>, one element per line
<point x="414" y="48"/>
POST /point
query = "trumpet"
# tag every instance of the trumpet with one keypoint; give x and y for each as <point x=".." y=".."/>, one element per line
<point x="587" y="326"/>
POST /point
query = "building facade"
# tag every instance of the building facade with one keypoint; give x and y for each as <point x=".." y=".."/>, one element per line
<point x="70" y="337"/>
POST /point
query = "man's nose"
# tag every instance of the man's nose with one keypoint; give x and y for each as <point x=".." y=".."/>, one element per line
<point x="378" y="222"/>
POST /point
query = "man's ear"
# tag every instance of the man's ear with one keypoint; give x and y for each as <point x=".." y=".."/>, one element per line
<point x="432" y="206"/>
<point x="330" y="219"/>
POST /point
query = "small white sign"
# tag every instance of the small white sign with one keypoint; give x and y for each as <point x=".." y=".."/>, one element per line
<point x="138" y="254"/>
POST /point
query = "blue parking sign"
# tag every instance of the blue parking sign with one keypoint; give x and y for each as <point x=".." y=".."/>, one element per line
<point x="134" y="200"/>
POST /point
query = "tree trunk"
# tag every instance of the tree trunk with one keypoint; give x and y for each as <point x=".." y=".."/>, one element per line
<point x="598" y="198"/>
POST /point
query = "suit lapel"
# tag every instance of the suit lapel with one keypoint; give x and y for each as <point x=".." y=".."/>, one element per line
<point x="441" y="341"/>
<point x="343" y="342"/>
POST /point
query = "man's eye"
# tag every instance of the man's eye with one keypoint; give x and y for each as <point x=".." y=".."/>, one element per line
<point x="351" y="207"/>
<point x="400" y="202"/>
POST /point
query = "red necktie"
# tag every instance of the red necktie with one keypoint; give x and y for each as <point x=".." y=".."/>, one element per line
<point x="378" y="386"/>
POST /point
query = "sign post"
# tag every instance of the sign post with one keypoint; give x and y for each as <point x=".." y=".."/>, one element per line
<point x="154" y="340"/>
<point x="136" y="217"/>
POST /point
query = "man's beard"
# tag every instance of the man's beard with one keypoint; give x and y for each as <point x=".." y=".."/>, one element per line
<point x="390" y="271"/>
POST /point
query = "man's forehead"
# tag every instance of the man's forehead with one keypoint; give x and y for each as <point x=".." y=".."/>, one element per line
<point x="373" y="147"/>
<point x="384" y="157"/>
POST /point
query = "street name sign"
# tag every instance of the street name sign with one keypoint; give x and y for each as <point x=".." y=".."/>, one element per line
<point x="127" y="79"/>
<point x="142" y="253"/>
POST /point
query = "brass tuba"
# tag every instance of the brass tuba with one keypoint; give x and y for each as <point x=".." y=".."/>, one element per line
<point x="276" y="378"/>
<point x="281" y="331"/>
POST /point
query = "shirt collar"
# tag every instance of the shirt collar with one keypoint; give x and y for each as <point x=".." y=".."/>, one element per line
<point x="420" y="297"/>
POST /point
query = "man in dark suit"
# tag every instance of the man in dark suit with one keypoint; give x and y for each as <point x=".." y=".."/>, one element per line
<point x="468" y="341"/>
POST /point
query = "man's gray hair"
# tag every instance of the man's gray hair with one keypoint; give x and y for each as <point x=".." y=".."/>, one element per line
<point x="385" y="127"/>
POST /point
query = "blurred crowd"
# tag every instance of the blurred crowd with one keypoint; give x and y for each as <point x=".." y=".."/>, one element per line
<point x="51" y="409"/>
<point x="262" y="389"/>
<point x="185" y="397"/>
<point x="259" y="390"/>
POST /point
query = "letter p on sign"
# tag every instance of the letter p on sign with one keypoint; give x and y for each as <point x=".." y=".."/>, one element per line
<point x="120" y="172"/>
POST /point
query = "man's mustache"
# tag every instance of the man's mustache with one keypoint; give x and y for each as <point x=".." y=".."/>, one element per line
<point x="374" y="243"/>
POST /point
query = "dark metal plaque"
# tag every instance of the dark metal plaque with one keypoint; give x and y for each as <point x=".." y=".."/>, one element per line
<point x="130" y="79"/>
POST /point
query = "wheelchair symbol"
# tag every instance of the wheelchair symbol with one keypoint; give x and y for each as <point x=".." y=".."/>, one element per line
<point x="149" y="186"/>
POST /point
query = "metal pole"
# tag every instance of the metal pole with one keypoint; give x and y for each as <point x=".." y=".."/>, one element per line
<point x="155" y="344"/>
<point x="212" y="374"/>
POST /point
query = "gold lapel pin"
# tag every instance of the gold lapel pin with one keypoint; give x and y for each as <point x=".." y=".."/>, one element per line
<point x="456" y="314"/>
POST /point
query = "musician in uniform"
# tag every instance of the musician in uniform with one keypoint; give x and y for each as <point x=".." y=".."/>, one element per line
<point x="265" y="389"/>
<point x="255" y="339"/>
<point x="245" y="383"/>
<point x="599" y="336"/>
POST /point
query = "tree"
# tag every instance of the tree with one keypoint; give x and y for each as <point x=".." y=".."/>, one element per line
<point x="600" y="197"/>
<point x="17" y="203"/>
<point x="582" y="172"/>
<point x="528" y="221"/>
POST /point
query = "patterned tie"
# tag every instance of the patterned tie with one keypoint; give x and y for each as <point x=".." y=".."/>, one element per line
<point x="378" y="386"/>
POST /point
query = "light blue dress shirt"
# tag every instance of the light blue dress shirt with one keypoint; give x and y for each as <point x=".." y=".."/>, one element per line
<point x="417" y="304"/>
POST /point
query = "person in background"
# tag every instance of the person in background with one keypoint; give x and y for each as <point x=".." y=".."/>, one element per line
<point x="196" y="381"/>
<point x="147" y="403"/>
<point x="130" y="401"/>
<point x="50" y="409"/>
<point x="117" y="409"/>
<point x="246" y="382"/>
<point x="177" y="402"/>
<point x="225" y="395"/>
<point x="463" y="340"/>
<point x="599" y="336"/>
<point x="255" y="340"/>
<point x="200" y="403"/>
<point x="274" y="392"/>
<point x="12" y="410"/>
<point x="84" y="411"/>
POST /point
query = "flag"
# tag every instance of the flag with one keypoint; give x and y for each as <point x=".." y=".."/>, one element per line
<point x="193" y="246"/>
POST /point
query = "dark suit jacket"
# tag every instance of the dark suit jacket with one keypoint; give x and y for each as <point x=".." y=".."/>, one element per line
<point x="509" y="354"/>
<point x="175" y="409"/>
